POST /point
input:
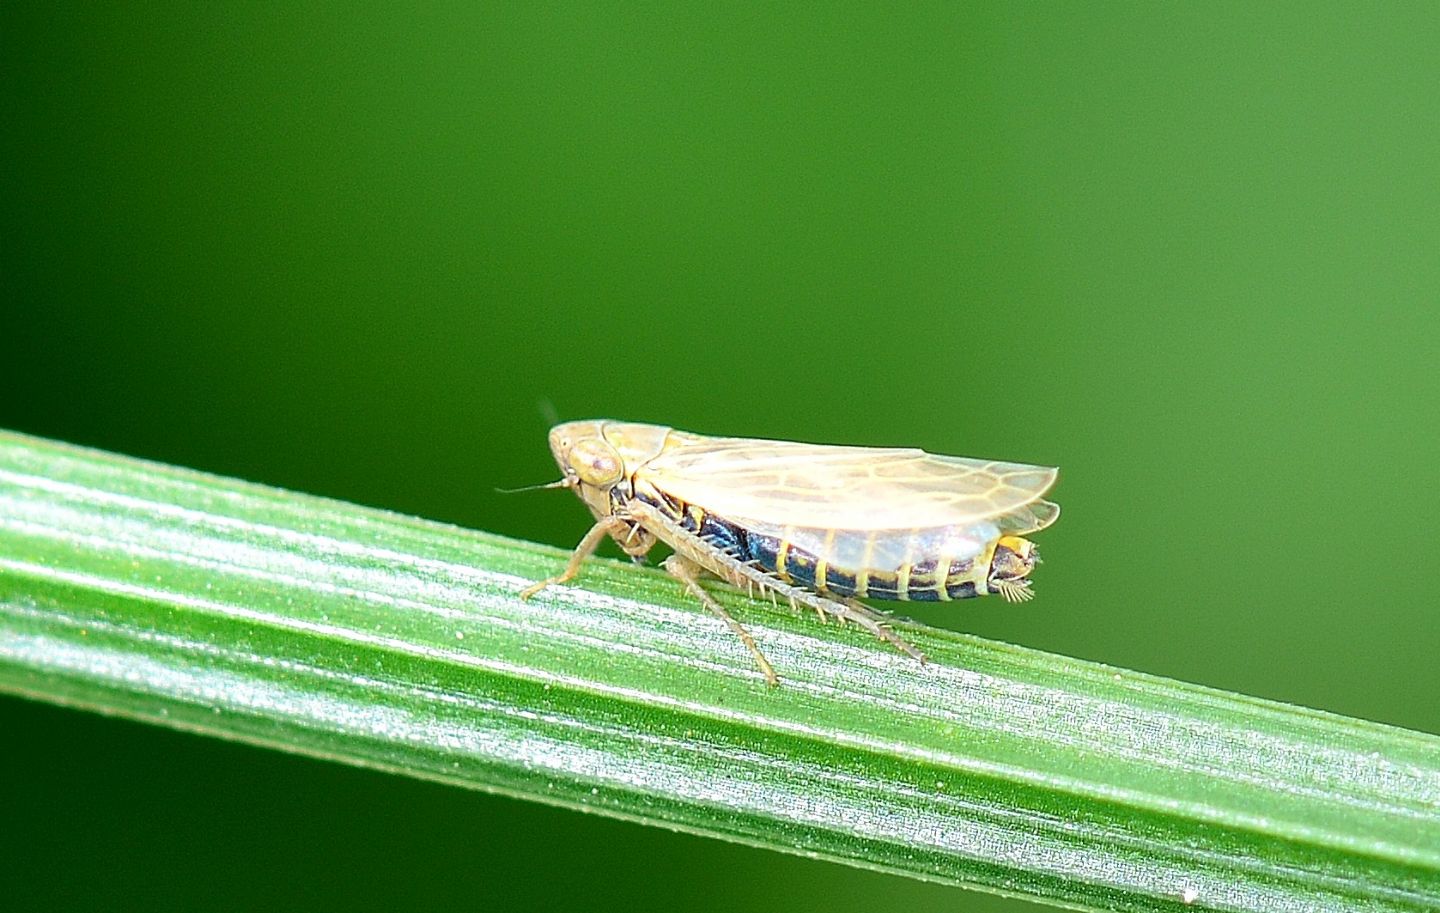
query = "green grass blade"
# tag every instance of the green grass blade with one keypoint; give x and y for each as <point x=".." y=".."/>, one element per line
<point x="342" y="632"/>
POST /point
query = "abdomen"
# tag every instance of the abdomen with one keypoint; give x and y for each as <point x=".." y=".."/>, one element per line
<point x="905" y="565"/>
<point x="935" y="564"/>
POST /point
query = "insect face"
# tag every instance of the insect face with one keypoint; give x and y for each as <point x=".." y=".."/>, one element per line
<point x="591" y="466"/>
<point x="583" y="454"/>
<point x="1010" y="564"/>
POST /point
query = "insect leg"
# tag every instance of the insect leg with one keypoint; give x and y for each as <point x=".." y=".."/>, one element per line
<point x="878" y="624"/>
<point x="700" y="553"/>
<point x="606" y="527"/>
<point x="688" y="573"/>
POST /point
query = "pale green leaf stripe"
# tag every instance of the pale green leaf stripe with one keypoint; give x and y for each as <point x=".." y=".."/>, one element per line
<point x="342" y="632"/>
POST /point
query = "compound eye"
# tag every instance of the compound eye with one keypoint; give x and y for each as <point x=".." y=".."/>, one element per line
<point x="595" y="462"/>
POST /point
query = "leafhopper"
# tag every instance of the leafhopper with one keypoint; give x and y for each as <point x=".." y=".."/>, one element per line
<point x="817" y="525"/>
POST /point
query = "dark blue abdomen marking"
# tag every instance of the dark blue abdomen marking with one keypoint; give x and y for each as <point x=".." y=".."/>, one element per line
<point x="726" y="536"/>
<point x="800" y="565"/>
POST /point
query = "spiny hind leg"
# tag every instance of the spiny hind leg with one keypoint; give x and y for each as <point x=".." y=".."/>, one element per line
<point x="609" y="526"/>
<point x="848" y="608"/>
<point x="688" y="573"/>
<point x="883" y="619"/>
<point x="699" y="554"/>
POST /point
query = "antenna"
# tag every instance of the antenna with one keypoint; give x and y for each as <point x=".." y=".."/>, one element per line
<point x="559" y="483"/>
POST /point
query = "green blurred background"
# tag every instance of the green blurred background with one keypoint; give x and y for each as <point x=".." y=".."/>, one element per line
<point x="1191" y="255"/>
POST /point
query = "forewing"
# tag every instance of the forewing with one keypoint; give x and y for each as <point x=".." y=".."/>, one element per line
<point x="859" y="488"/>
